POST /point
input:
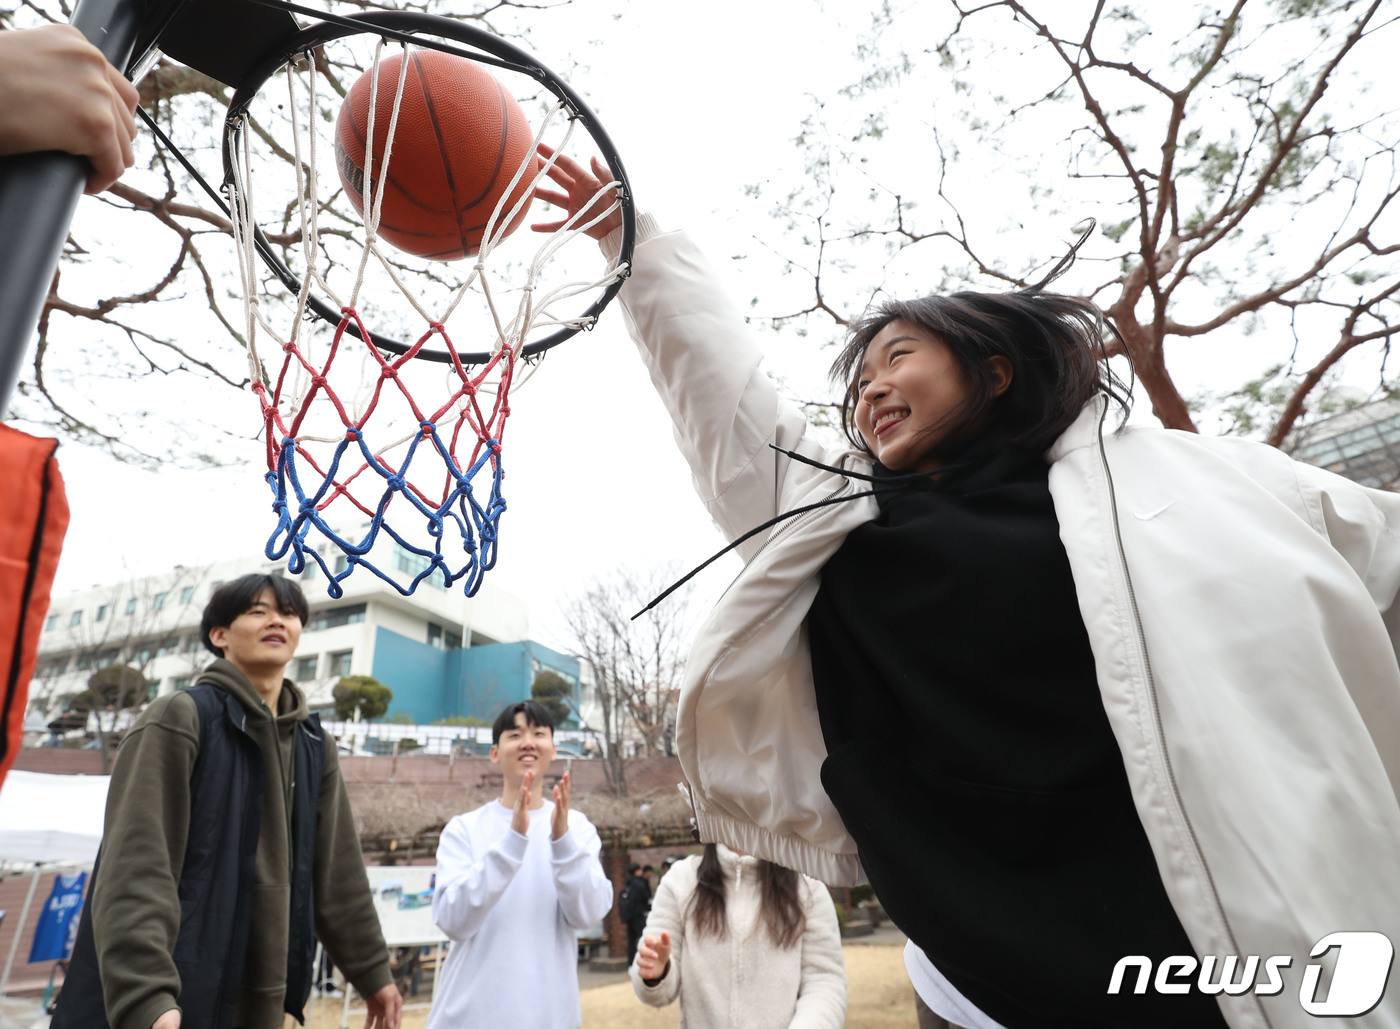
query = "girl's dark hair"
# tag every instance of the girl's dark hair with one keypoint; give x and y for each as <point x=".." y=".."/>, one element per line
<point x="233" y="598"/>
<point x="1055" y="344"/>
<point x="780" y="907"/>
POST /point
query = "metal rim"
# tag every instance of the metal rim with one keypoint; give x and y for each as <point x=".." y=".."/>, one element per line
<point x="487" y="49"/>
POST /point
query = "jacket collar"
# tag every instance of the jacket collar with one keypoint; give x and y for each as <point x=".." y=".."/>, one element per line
<point x="735" y="864"/>
<point x="225" y="674"/>
<point x="1083" y="431"/>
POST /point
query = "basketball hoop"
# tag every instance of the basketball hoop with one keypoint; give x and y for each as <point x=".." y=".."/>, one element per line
<point x="383" y="379"/>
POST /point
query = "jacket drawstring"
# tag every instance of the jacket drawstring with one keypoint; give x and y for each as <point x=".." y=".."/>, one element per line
<point x="897" y="481"/>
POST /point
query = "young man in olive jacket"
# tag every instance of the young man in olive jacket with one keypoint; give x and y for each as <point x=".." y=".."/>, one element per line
<point x="229" y="847"/>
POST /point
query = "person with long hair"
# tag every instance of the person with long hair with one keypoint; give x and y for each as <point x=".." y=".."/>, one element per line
<point x="742" y="941"/>
<point x="1109" y="716"/>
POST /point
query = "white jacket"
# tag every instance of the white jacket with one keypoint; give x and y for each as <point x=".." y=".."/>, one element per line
<point x="1240" y="607"/>
<point x="741" y="980"/>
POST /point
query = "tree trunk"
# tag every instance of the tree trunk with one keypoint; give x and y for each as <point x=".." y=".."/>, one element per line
<point x="1151" y="371"/>
<point x="615" y="769"/>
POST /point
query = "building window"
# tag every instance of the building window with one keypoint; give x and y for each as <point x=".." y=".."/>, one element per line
<point x="340" y="662"/>
<point x="131" y="606"/>
<point x="306" y="667"/>
<point x="341" y="563"/>
<point x="191" y="643"/>
<point x="83" y="663"/>
<point x="53" y="666"/>
<point x="168" y="646"/>
<point x="406" y="560"/>
<point x="158" y="601"/>
<point x="182" y="683"/>
<point x="141" y="655"/>
<point x="336" y="616"/>
<point x="50" y="623"/>
<point x="187" y="594"/>
<point x="101" y="615"/>
<point x="443" y="639"/>
<point x="107" y="657"/>
<point x="76" y="618"/>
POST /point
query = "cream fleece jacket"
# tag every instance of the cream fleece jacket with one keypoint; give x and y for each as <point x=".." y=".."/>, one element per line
<point x="742" y="979"/>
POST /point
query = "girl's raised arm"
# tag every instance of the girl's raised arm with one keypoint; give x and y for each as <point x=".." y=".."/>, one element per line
<point x="705" y="365"/>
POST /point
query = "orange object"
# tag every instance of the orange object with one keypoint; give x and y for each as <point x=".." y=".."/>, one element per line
<point x="458" y="143"/>
<point x="33" y="520"/>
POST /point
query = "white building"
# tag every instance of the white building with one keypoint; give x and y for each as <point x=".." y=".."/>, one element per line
<point x="152" y="624"/>
<point x="1362" y="443"/>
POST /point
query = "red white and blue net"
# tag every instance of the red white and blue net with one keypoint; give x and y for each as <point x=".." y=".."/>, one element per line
<point x="380" y="461"/>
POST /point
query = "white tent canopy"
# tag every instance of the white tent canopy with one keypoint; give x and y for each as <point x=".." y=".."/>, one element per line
<point x="51" y="818"/>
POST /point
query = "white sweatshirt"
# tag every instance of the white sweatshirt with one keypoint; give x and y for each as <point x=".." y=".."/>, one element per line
<point x="510" y="904"/>
<point x="743" y="981"/>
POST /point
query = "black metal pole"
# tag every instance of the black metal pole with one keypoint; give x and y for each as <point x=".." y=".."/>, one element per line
<point x="38" y="197"/>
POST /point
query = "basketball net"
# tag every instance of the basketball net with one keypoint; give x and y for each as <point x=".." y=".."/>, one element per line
<point x="389" y="460"/>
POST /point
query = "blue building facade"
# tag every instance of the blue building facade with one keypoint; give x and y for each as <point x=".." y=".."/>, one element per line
<point x="431" y="684"/>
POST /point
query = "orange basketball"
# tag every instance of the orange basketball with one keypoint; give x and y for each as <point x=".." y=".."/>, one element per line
<point x="459" y="139"/>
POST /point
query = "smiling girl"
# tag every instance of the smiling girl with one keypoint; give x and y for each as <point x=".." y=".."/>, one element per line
<point x="1064" y="694"/>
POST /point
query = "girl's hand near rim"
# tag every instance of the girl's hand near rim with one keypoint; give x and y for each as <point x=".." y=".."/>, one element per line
<point x="580" y="193"/>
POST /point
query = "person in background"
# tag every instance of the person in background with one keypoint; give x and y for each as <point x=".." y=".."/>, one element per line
<point x="742" y="941"/>
<point x="229" y="847"/>
<point x="633" y="903"/>
<point x="516" y="880"/>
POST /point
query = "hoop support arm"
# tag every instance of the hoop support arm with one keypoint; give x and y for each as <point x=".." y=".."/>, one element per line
<point x="39" y="196"/>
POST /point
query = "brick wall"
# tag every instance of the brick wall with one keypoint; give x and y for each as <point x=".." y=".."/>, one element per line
<point x="645" y="776"/>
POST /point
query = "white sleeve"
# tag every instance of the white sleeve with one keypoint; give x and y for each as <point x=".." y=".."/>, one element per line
<point x="1363" y="526"/>
<point x="665" y="916"/>
<point x="585" y="892"/>
<point x="468" y="885"/>
<point x="821" y="996"/>
<point x="705" y="365"/>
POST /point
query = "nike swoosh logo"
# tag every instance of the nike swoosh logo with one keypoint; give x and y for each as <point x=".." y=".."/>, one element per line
<point x="1149" y="515"/>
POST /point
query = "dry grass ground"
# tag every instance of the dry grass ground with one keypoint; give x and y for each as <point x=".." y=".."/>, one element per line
<point x="880" y="998"/>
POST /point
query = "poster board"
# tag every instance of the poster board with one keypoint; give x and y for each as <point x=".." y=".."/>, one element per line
<point x="403" y="899"/>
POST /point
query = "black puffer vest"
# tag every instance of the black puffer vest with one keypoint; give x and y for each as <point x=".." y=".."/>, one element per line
<point x="216" y="882"/>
